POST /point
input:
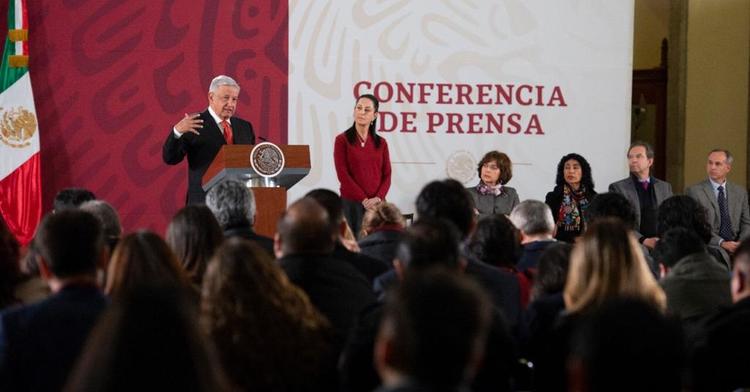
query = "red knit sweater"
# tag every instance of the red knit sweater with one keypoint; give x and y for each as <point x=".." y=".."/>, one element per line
<point x="364" y="172"/>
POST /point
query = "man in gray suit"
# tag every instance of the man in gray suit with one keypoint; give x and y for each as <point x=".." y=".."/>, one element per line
<point x="725" y="202"/>
<point x="643" y="191"/>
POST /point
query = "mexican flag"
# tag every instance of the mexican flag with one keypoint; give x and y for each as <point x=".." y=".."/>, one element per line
<point x="20" y="180"/>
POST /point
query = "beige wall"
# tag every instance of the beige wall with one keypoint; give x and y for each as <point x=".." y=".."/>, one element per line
<point x="651" y="27"/>
<point x="716" y="95"/>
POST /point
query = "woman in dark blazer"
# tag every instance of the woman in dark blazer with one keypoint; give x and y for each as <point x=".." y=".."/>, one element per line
<point x="574" y="190"/>
<point x="491" y="196"/>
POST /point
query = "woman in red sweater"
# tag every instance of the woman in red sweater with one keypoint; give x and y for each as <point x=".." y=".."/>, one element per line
<point x="363" y="165"/>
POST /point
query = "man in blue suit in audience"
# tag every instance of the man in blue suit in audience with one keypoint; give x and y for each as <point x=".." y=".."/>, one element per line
<point x="39" y="343"/>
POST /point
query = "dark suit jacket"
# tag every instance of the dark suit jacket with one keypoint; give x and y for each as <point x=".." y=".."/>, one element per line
<point x="201" y="150"/>
<point x="368" y="266"/>
<point x="336" y="288"/>
<point x="703" y="192"/>
<point x="381" y="245"/>
<point x="39" y="343"/>
<point x="246" y="232"/>
<point x="532" y="251"/>
<point x="626" y="187"/>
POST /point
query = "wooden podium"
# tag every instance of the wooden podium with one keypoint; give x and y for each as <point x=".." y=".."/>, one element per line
<point x="233" y="162"/>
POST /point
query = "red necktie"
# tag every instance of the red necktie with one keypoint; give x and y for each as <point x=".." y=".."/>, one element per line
<point x="227" y="132"/>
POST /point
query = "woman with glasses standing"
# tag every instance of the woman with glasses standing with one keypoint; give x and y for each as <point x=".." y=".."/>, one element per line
<point x="363" y="165"/>
<point x="491" y="196"/>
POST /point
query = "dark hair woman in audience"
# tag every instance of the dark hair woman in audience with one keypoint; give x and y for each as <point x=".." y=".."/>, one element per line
<point x="382" y="229"/>
<point x="194" y="234"/>
<point x="148" y="340"/>
<point x="607" y="263"/>
<point x="10" y="273"/>
<point x="574" y="190"/>
<point x="491" y="196"/>
<point x="268" y="334"/>
<point x="143" y="258"/>
<point x="363" y="164"/>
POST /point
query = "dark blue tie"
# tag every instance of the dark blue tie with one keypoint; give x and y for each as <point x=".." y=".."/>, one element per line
<point x="725" y="227"/>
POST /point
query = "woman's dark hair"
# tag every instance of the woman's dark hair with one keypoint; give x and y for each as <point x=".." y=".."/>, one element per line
<point x="148" y="339"/>
<point x="683" y="211"/>
<point x="194" y="234"/>
<point x="268" y="334"/>
<point x="10" y="274"/>
<point x="495" y="241"/>
<point x="586" y="179"/>
<point x="552" y="270"/>
<point x="503" y="163"/>
<point x="351" y="133"/>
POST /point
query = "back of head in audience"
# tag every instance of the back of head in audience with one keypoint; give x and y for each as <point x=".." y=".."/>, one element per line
<point x="495" y="241"/>
<point x="608" y="263"/>
<point x="10" y="274"/>
<point x="627" y="345"/>
<point x="675" y="244"/>
<point x="109" y="219"/>
<point x="72" y="198"/>
<point x="683" y="211"/>
<point x="331" y="202"/>
<point x="534" y="219"/>
<point x="70" y="243"/>
<point x="232" y="203"/>
<point x="612" y="205"/>
<point x="433" y="331"/>
<point x="148" y="340"/>
<point x="258" y="320"/>
<point x="552" y="269"/>
<point x="305" y="228"/>
<point x="193" y="235"/>
<point x="428" y="243"/>
<point x="383" y="215"/>
<point x="447" y="199"/>
<point x="143" y="258"/>
<point x="741" y="272"/>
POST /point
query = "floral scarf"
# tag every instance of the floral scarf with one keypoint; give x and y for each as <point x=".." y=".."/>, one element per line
<point x="570" y="215"/>
<point x="485" y="189"/>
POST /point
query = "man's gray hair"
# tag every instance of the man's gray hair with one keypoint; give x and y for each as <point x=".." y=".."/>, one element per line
<point x="107" y="216"/>
<point x="232" y="203"/>
<point x="533" y="217"/>
<point x="222" y="80"/>
<point x="730" y="157"/>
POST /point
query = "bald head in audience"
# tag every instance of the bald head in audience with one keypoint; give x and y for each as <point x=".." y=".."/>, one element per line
<point x="304" y="228"/>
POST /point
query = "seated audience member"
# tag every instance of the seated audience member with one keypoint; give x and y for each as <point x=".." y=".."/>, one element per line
<point x="725" y="203"/>
<point x="382" y="228"/>
<point x="547" y="302"/>
<point x="71" y="198"/>
<point x="143" y="258"/>
<point x="615" y="205"/>
<point x="491" y="195"/>
<point x="193" y="235"/>
<point x="720" y="356"/>
<point x="368" y="266"/>
<point x="695" y="284"/>
<point x="496" y="242"/>
<point x="433" y="333"/>
<point x="39" y="343"/>
<point x="109" y="219"/>
<point x="537" y="228"/>
<point x="304" y="242"/>
<point x="268" y="334"/>
<point x="574" y="190"/>
<point x="233" y="204"/>
<point x="684" y="211"/>
<point x="607" y="263"/>
<point x="148" y="340"/>
<point x="447" y="199"/>
<point x="627" y="345"/>
<point x="427" y="244"/>
<point x="10" y="273"/>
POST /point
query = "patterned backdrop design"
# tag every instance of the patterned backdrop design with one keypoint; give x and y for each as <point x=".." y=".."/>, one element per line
<point x="112" y="77"/>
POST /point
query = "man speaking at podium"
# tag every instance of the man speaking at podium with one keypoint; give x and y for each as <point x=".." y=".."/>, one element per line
<point x="201" y="135"/>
